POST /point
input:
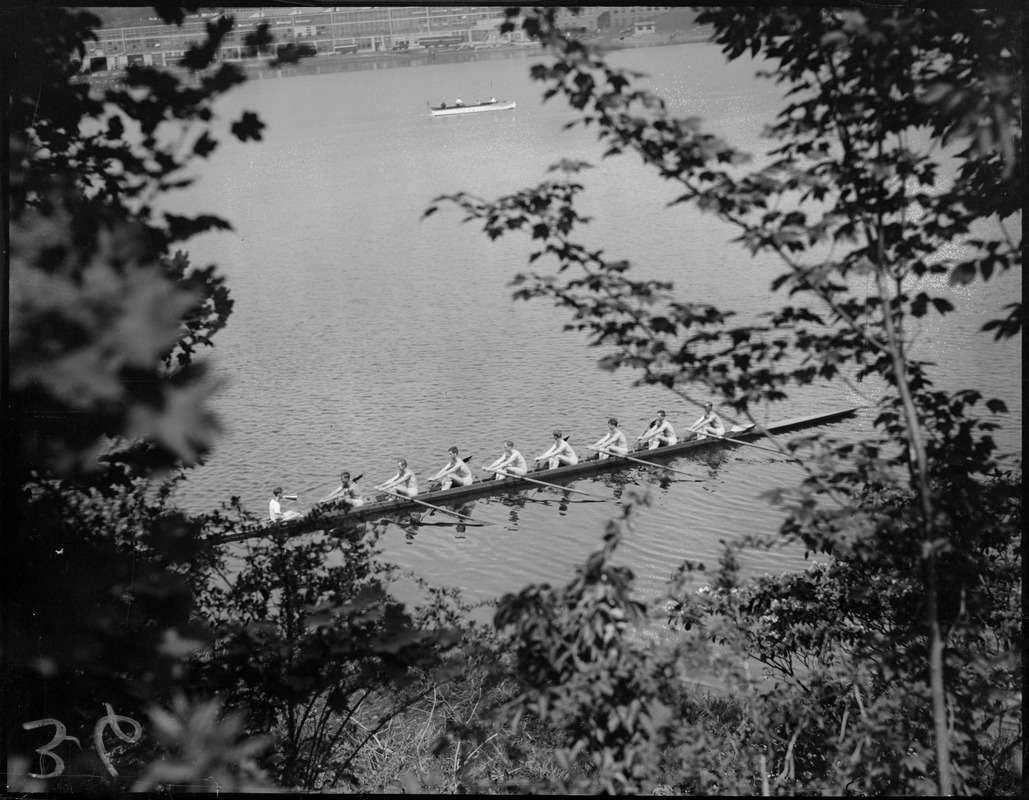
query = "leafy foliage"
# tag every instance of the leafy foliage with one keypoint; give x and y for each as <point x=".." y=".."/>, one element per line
<point x="890" y="665"/>
<point x="850" y="635"/>
<point x="308" y="638"/>
<point x="101" y="611"/>
<point x="291" y="53"/>
<point x="583" y="675"/>
<point x="106" y="395"/>
<point x="105" y="321"/>
<point x="899" y="140"/>
<point x="259" y="39"/>
<point x="200" y="742"/>
<point x="835" y="178"/>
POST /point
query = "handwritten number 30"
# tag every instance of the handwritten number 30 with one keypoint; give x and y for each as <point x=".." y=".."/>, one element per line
<point x="113" y="720"/>
<point x="61" y="734"/>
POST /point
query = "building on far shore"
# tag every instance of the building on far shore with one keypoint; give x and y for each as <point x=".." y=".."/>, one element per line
<point x="326" y="30"/>
<point x="357" y="30"/>
<point x="642" y="28"/>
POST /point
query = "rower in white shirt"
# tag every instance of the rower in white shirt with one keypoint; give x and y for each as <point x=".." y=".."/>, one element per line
<point x="511" y="462"/>
<point x="612" y="442"/>
<point x="403" y="483"/>
<point x="709" y="424"/>
<point x="275" y="512"/>
<point x="455" y="472"/>
<point x="659" y="432"/>
<point x="560" y="453"/>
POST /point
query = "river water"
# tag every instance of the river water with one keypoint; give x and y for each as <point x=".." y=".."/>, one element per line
<point x="361" y="334"/>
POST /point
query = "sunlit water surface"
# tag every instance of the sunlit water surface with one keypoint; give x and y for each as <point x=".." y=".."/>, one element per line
<point x="361" y="334"/>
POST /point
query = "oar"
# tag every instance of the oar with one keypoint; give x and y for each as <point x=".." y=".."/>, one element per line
<point x="648" y="463"/>
<point x="352" y="480"/>
<point x="756" y="446"/>
<point x="536" y="461"/>
<point x="438" y="481"/>
<point x="544" y="483"/>
<point x="434" y="508"/>
<point x="649" y="428"/>
<point x="546" y="457"/>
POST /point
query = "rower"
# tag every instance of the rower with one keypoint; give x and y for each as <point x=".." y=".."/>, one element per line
<point x="560" y="453"/>
<point x="403" y="483"/>
<point x="709" y="424"/>
<point x="510" y="463"/>
<point x="348" y="492"/>
<point x="455" y="472"/>
<point x="612" y="442"/>
<point x="275" y="511"/>
<point x="659" y="432"/>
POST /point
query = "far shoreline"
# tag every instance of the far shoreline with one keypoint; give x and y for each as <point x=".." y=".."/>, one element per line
<point x="261" y="69"/>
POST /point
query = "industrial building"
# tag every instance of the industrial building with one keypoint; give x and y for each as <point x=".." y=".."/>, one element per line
<point x="342" y="30"/>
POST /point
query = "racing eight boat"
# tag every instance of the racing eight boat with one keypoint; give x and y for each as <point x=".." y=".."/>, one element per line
<point x="335" y="513"/>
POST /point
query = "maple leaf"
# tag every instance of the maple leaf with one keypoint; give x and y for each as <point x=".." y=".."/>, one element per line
<point x="149" y="322"/>
<point x="183" y="423"/>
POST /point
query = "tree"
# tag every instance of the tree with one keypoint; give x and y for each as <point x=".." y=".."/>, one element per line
<point x="847" y="194"/>
<point x="291" y="53"/>
<point x="105" y="396"/>
<point x="114" y="620"/>
<point x="105" y="321"/>
<point x="309" y="642"/>
<point x="848" y="637"/>
<point x="583" y="675"/>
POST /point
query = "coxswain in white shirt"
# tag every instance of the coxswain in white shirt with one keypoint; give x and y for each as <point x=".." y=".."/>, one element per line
<point x="275" y="512"/>
<point x="559" y="454"/>
<point x="613" y="442"/>
<point x="709" y="424"/>
<point x="456" y="472"/>
<point x="403" y="483"/>
<point x="660" y="432"/>
<point x="510" y="463"/>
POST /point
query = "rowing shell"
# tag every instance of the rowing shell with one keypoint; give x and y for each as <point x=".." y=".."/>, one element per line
<point x="336" y="514"/>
